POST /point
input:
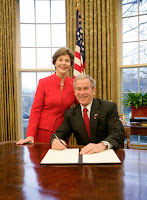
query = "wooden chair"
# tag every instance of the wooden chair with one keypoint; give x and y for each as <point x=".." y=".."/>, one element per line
<point x="134" y="129"/>
<point x="122" y="118"/>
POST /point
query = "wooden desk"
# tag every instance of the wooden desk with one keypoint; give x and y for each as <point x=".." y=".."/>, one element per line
<point x="137" y="129"/>
<point x="134" y="129"/>
<point x="22" y="176"/>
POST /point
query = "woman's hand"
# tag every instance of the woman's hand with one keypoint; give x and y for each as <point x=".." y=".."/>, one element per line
<point x="28" y="139"/>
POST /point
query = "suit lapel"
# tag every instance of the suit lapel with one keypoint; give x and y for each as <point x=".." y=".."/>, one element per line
<point x="80" y="124"/>
<point x="94" y="115"/>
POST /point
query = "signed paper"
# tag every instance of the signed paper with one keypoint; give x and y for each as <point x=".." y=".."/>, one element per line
<point x="107" y="156"/>
<point x="72" y="156"/>
<point x="66" y="156"/>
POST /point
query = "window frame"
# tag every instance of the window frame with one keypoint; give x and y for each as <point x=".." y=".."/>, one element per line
<point x="120" y="61"/>
<point x="19" y="70"/>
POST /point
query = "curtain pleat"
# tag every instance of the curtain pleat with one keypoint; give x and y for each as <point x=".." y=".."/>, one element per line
<point x="8" y="116"/>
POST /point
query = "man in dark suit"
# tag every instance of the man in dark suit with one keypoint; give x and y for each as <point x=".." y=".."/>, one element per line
<point x="106" y="130"/>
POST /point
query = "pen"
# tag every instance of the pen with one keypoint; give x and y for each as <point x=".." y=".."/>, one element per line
<point x="58" y="139"/>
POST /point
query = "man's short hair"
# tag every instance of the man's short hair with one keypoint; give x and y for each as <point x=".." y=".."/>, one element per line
<point x="83" y="76"/>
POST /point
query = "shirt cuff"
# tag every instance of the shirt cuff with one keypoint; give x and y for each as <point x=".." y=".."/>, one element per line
<point x="52" y="140"/>
<point x="109" y="146"/>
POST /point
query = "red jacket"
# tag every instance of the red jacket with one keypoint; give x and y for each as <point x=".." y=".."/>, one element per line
<point x="50" y="103"/>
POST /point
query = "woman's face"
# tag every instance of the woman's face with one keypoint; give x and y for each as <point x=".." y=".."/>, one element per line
<point x="63" y="64"/>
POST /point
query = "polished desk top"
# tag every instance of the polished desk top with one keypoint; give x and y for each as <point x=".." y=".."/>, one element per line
<point x="22" y="176"/>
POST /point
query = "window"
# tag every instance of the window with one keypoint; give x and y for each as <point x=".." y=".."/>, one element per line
<point x="42" y="32"/>
<point x="134" y="62"/>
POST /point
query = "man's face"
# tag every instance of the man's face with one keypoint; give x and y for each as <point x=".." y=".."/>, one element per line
<point x="84" y="92"/>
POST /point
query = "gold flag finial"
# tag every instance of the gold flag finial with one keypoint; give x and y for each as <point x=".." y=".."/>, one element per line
<point x="77" y="4"/>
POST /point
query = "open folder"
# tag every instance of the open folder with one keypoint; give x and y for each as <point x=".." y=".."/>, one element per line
<point x="72" y="156"/>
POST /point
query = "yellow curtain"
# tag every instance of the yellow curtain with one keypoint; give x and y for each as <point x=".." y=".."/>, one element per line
<point x="8" y="117"/>
<point x="99" y="24"/>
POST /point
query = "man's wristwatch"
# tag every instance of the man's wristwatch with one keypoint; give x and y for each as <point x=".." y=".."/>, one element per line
<point x="105" y="143"/>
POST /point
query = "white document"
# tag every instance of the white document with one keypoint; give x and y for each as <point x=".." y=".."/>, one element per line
<point x="107" y="156"/>
<point x="71" y="156"/>
<point x="66" y="156"/>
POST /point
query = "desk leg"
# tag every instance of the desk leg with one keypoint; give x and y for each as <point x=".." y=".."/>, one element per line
<point x="127" y="135"/>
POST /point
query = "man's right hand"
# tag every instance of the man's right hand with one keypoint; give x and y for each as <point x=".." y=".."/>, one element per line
<point x="28" y="139"/>
<point x="57" y="145"/>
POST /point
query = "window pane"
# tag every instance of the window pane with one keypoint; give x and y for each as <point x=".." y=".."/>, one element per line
<point x="54" y="50"/>
<point x="28" y="92"/>
<point x="129" y="7"/>
<point x="44" y="58"/>
<point x="27" y="102"/>
<point x="134" y="52"/>
<point x="43" y="11"/>
<point x="143" y="79"/>
<point x="130" y="53"/>
<point x="127" y="112"/>
<point x="130" y="79"/>
<point x="25" y="127"/>
<point x="43" y="75"/>
<point x="134" y="138"/>
<point x="143" y="139"/>
<point x="130" y="29"/>
<point x="58" y="35"/>
<point x="57" y="11"/>
<point x="27" y="35"/>
<point x="43" y="35"/>
<point x="143" y="6"/>
<point x="143" y="52"/>
<point x="143" y="27"/>
<point x="26" y="11"/>
<point x="28" y="83"/>
<point x="28" y="58"/>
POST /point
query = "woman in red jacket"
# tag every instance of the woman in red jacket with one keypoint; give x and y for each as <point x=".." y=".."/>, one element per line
<point x="53" y="96"/>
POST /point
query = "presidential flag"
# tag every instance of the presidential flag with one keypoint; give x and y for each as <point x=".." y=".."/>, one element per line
<point x="79" y="60"/>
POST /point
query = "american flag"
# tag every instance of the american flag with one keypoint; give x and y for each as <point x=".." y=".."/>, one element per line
<point x="79" y="61"/>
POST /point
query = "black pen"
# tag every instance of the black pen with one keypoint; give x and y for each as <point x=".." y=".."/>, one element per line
<point x="58" y="139"/>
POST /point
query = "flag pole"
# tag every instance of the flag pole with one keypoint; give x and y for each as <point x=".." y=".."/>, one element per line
<point x="77" y="9"/>
<point x="77" y="5"/>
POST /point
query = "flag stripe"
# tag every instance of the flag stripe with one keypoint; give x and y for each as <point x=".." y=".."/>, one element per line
<point x="76" y="73"/>
<point x="77" y="55"/>
<point x="79" y="61"/>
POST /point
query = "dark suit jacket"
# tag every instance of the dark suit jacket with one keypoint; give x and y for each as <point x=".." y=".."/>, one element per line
<point x="104" y="124"/>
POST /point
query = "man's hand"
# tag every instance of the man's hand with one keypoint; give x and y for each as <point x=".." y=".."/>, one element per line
<point x="92" y="148"/>
<point x="28" y="139"/>
<point x="57" y="145"/>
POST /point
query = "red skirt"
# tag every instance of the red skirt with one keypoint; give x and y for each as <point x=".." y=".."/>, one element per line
<point x="44" y="136"/>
